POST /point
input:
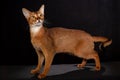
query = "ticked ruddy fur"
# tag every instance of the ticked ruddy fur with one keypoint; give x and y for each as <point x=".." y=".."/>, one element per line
<point x="49" y="41"/>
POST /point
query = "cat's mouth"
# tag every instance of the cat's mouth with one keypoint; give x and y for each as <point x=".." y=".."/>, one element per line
<point x="38" y="24"/>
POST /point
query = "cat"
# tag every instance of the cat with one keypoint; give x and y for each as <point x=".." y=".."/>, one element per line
<point x="47" y="42"/>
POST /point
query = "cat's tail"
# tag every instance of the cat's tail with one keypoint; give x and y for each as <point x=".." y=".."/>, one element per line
<point x="104" y="41"/>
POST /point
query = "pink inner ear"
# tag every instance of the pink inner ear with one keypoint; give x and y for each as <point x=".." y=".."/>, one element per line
<point x="26" y="12"/>
<point x="42" y="9"/>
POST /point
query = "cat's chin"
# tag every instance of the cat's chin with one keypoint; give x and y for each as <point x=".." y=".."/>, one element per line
<point x="37" y="25"/>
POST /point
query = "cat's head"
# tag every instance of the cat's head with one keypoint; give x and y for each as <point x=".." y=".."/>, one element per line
<point x="36" y="18"/>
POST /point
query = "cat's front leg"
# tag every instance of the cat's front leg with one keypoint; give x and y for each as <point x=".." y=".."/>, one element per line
<point x="48" y="61"/>
<point x="40" y="62"/>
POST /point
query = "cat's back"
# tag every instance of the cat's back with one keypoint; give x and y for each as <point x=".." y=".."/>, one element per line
<point x="59" y="31"/>
<point x="65" y="39"/>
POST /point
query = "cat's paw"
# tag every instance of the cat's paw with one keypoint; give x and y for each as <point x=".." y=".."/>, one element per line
<point x="97" y="68"/>
<point x="80" y="66"/>
<point x="34" y="71"/>
<point x="40" y="76"/>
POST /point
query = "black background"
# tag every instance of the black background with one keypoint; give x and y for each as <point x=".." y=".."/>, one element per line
<point x="98" y="17"/>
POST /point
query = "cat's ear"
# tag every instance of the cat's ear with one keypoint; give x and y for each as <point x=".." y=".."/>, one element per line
<point x="42" y="9"/>
<point x="26" y="13"/>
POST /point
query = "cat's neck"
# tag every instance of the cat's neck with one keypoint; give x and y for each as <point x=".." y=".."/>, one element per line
<point x="35" y="30"/>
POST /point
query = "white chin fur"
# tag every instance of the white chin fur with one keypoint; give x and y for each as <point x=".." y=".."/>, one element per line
<point x="38" y="25"/>
<point x="35" y="28"/>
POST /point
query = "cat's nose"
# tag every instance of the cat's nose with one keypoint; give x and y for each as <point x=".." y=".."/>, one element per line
<point x="38" y="18"/>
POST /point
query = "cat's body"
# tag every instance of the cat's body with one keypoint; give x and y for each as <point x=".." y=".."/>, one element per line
<point x="50" y="41"/>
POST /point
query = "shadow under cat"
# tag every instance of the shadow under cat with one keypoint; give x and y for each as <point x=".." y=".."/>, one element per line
<point x="86" y="73"/>
<point x="109" y="71"/>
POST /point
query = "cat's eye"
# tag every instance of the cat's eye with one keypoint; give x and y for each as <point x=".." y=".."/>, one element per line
<point x="32" y="16"/>
<point x="40" y="15"/>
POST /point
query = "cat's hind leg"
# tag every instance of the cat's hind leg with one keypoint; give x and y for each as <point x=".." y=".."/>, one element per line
<point x="94" y="55"/>
<point x="84" y="61"/>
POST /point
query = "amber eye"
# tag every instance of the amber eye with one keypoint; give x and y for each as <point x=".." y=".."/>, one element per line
<point x="33" y="17"/>
<point x="40" y="15"/>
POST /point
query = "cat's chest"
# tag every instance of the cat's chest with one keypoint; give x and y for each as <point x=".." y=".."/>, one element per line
<point x="35" y="30"/>
<point x="36" y="43"/>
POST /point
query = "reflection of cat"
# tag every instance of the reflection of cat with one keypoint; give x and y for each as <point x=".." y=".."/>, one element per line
<point x="48" y="42"/>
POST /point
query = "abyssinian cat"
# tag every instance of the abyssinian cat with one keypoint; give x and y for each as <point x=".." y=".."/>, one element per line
<point x="49" y="41"/>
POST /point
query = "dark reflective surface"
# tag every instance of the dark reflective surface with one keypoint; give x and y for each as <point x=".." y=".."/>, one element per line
<point x="109" y="71"/>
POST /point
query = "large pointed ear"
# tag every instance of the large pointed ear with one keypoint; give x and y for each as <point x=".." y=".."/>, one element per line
<point x="26" y="13"/>
<point x="42" y="9"/>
